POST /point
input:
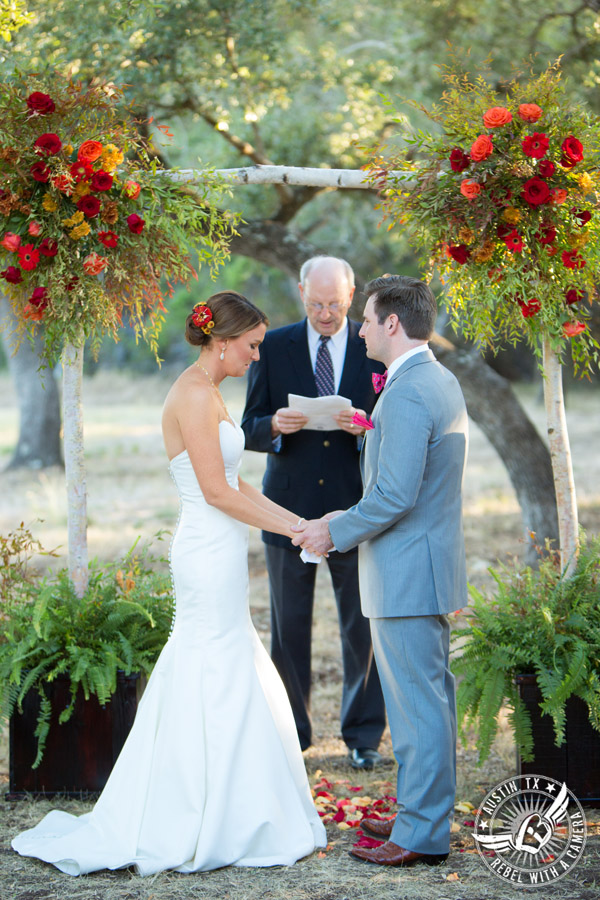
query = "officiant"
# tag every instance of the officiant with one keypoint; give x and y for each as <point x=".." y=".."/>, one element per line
<point x="313" y="472"/>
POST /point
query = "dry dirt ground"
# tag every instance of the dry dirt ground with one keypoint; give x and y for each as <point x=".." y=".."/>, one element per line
<point x="131" y="494"/>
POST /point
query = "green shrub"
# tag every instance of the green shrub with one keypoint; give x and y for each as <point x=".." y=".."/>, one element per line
<point x="538" y="622"/>
<point x="121" y="623"/>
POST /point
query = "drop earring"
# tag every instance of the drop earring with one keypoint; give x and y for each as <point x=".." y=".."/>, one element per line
<point x="222" y="356"/>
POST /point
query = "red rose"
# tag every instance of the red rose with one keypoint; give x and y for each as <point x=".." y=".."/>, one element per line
<point x="503" y="230"/>
<point x="11" y="241"/>
<point x="39" y="103"/>
<point x="136" y="223"/>
<point x="572" y="150"/>
<point x="458" y="161"/>
<point x="514" y="241"/>
<point x="101" y="181"/>
<point x="529" y="112"/>
<point x="40" y="172"/>
<point x="50" y="144"/>
<point x="132" y="188"/>
<point x="570" y="329"/>
<point x="29" y="257"/>
<point x="459" y="252"/>
<point x="12" y="275"/>
<point x="546" y="234"/>
<point x="567" y="163"/>
<point x="497" y="116"/>
<point x="89" y="205"/>
<point x="572" y="259"/>
<point x="108" y="238"/>
<point x="89" y="151"/>
<point x="573" y="296"/>
<point x="546" y="168"/>
<point x="531" y="308"/>
<point x="535" y="145"/>
<point x="48" y="247"/>
<point x="584" y="215"/>
<point x="81" y="171"/>
<point x="39" y="297"/>
<point x="481" y="148"/>
<point x="535" y="192"/>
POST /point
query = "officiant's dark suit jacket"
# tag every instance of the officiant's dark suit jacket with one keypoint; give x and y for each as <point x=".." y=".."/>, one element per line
<point x="314" y="472"/>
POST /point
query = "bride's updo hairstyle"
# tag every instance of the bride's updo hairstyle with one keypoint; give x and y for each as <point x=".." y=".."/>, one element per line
<point x="223" y="316"/>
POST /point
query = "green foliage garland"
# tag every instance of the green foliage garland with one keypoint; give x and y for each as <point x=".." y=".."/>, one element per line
<point x="504" y="203"/>
<point x="91" y="227"/>
<point x="121" y="623"/>
<point x="539" y="622"/>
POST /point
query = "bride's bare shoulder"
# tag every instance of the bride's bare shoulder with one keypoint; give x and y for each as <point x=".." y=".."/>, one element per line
<point x="188" y="394"/>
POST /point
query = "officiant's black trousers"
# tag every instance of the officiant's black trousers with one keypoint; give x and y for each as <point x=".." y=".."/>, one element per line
<point x="292" y="587"/>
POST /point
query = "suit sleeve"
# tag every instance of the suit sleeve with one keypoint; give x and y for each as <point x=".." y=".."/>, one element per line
<point x="406" y="426"/>
<point x="256" y="419"/>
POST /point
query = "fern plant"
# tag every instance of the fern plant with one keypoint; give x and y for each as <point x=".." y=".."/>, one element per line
<point x="121" y="623"/>
<point x="538" y="622"/>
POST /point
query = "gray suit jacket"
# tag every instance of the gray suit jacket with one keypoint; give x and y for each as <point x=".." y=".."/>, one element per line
<point x="409" y="520"/>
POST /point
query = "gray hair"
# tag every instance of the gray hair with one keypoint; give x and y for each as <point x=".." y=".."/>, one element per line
<point x="310" y="263"/>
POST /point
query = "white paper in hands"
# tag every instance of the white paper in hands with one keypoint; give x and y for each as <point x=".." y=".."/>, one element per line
<point x="307" y="557"/>
<point x="320" y="410"/>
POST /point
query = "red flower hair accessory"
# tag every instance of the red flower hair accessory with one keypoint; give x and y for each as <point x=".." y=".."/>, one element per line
<point x="202" y="317"/>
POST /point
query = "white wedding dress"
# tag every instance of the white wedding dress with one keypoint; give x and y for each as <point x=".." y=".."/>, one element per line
<point x="212" y="773"/>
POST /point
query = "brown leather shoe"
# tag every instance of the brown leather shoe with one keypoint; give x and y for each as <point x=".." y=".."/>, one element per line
<point x="379" y="827"/>
<point x="390" y="854"/>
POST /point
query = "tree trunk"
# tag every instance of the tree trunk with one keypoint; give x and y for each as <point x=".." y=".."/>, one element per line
<point x="492" y="404"/>
<point x="560" y="453"/>
<point x="75" y="465"/>
<point x="38" y="444"/>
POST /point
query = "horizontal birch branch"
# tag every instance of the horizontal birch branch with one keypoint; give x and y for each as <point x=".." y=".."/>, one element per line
<point x="292" y="175"/>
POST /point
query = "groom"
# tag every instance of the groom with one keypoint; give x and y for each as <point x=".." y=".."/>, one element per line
<point x="411" y="561"/>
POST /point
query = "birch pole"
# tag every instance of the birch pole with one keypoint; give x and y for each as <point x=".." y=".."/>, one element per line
<point x="72" y="366"/>
<point x="560" y="453"/>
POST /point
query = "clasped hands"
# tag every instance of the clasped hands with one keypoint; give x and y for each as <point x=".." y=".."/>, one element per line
<point x="313" y="535"/>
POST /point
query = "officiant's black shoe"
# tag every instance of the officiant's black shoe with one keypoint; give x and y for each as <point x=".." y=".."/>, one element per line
<point x="364" y="758"/>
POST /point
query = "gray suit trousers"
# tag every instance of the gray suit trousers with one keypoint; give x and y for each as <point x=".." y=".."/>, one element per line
<point x="412" y="659"/>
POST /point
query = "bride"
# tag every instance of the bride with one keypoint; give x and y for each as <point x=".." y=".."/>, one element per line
<point x="212" y="773"/>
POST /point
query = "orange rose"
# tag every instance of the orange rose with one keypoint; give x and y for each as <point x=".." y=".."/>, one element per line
<point x="470" y="189"/>
<point x="89" y="151"/>
<point x="558" y="196"/>
<point x="481" y="148"/>
<point x="529" y="112"/>
<point x="94" y="264"/>
<point x="497" y="116"/>
<point x="132" y="189"/>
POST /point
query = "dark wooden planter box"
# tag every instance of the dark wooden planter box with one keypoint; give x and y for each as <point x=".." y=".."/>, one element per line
<point x="577" y="761"/>
<point x="79" y="754"/>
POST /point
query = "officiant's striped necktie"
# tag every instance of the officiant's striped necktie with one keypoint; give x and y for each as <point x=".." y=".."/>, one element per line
<point x="324" y="368"/>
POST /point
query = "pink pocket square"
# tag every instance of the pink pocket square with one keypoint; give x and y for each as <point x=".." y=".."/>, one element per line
<point x="357" y="419"/>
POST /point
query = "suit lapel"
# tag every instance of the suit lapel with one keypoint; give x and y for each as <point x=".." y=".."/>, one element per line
<point x="299" y="358"/>
<point x="354" y="367"/>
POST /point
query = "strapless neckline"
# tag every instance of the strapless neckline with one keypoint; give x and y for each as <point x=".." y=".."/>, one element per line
<point x="234" y="425"/>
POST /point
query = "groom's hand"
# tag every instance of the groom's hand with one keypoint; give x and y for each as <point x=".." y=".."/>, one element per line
<point x="313" y="536"/>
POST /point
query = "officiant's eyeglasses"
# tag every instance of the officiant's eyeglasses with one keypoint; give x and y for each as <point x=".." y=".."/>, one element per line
<point x="332" y="307"/>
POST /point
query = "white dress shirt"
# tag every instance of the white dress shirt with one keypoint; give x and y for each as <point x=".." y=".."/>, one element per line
<point x="395" y="365"/>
